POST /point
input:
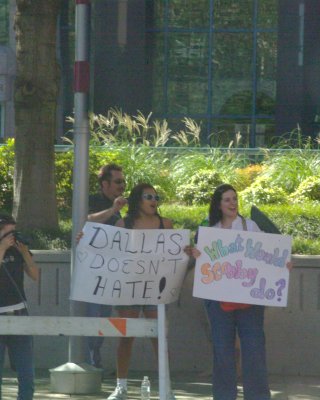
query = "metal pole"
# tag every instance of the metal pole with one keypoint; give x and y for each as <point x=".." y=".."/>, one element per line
<point x="164" y="372"/>
<point x="81" y="147"/>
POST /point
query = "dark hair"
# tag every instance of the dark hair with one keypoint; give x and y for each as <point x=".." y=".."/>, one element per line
<point x="135" y="198"/>
<point x="6" y="219"/>
<point x="105" y="172"/>
<point x="215" y="214"/>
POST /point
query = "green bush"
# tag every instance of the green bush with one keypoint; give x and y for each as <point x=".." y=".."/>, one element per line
<point x="287" y="170"/>
<point x="6" y="175"/>
<point x="263" y="192"/>
<point x="309" y="189"/>
<point x="199" y="187"/>
<point x="301" y="221"/>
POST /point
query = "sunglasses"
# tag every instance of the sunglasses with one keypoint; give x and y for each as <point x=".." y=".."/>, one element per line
<point x="149" y="196"/>
<point x="119" y="181"/>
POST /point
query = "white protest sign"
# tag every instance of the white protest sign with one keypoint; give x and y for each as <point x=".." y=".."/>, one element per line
<point x="121" y="266"/>
<point x="242" y="267"/>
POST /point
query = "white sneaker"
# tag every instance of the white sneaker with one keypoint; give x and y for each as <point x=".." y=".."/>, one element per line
<point x="119" y="394"/>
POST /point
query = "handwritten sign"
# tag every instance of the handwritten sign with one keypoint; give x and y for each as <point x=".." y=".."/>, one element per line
<point x="242" y="267"/>
<point x="129" y="266"/>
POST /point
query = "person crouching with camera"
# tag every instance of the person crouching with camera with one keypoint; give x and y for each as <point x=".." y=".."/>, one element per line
<point x="15" y="260"/>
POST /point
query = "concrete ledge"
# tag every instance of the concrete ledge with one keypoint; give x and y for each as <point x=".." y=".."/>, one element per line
<point x="292" y="332"/>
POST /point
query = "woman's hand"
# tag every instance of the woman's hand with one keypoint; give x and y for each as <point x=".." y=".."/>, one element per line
<point x="7" y="241"/>
<point x="23" y="249"/>
<point x="192" y="251"/>
<point x="289" y="265"/>
<point x="79" y="236"/>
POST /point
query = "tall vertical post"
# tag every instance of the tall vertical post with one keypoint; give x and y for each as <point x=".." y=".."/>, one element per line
<point x="163" y="356"/>
<point x="81" y="145"/>
<point x="64" y="378"/>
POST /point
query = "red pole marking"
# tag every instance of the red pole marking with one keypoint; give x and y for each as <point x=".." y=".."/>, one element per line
<point x="82" y="1"/>
<point x="81" y="76"/>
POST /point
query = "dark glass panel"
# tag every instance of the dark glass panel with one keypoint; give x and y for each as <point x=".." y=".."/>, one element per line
<point x="233" y="14"/>
<point x="158" y="73"/>
<point x="189" y="13"/>
<point x="265" y="132"/>
<point x="187" y="73"/>
<point x="230" y="132"/>
<point x="156" y="9"/>
<point x="267" y="14"/>
<point x="232" y="73"/>
<point x="266" y="73"/>
<point x="4" y="22"/>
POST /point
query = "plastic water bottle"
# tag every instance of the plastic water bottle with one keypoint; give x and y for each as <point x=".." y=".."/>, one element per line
<point x="145" y="388"/>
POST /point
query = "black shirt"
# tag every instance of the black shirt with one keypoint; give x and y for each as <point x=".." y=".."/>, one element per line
<point x="99" y="202"/>
<point x="11" y="278"/>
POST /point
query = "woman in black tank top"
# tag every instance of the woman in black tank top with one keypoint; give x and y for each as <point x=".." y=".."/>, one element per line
<point x="142" y="214"/>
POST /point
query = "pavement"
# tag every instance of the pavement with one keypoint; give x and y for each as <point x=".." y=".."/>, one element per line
<point x="186" y="386"/>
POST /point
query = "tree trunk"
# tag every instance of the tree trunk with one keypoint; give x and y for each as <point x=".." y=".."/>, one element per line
<point x="36" y="94"/>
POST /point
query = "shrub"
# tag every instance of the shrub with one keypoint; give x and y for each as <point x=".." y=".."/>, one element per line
<point x="199" y="188"/>
<point x="308" y="189"/>
<point x="262" y="192"/>
<point x="6" y="175"/>
<point x="288" y="170"/>
<point x="246" y="176"/>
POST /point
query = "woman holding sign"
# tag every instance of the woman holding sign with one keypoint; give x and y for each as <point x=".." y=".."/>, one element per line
<point x="227" y="319"/>
<point x="142" y="214"/>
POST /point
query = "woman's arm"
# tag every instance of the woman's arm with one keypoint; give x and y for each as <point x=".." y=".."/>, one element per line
<point x="30" y="266"/>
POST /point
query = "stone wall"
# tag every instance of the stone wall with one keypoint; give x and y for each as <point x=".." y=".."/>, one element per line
<point x="292" y="333"/>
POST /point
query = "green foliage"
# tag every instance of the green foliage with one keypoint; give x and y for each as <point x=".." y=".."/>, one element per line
<point x="287" y="170"/>
<point x="63" y="176"/>
<point x="244" y="177"/>
<point x="185" y="217"/>
<point x="309" y="189"/>
<point x="119" y="128"/>
<point x="199" y="187"/>
<point x="6" y="174"/>
<point x="263" y="192"/>
<point x="185" y="177"/>
<point x="222" y="162"/>
<point x="301" y="221"/>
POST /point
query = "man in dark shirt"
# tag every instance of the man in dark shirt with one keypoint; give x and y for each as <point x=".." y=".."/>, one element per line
<point x="104" y="207"/>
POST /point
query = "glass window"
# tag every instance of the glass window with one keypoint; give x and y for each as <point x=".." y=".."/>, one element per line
<point x="156" y="9"/>
<point x="4" y="22"/>
<point x="220" y="68"/>
<point x="267" y="13"/>
<point x="266" y="73"/>
<point x="232" y="73"/>
<point x="233" y="132"/>
<point x="187" y="73"/>
<point x="264" y="132"/>
<point x="189" y="13"/>
<point x="233" y="14"/>
<point x="156" y="43"/>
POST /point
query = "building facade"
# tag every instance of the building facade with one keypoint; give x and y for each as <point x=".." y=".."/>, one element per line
<point x="250" y="66"/>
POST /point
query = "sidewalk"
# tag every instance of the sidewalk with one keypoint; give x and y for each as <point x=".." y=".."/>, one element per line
<point x="186" y="386"/>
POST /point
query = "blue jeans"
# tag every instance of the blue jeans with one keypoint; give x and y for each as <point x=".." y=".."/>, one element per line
<point x="20" y="350"/>
<point x="249" y="325"/>
<point x="94" y="343"/>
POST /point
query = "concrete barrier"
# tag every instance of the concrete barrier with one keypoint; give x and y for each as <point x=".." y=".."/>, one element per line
<point x="292" y="333"/>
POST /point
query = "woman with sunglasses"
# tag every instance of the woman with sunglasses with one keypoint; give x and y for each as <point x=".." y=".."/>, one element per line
<point x="142" y="214"/>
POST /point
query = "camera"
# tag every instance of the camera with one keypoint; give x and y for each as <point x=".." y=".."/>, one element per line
<point x="20" y="238"/>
